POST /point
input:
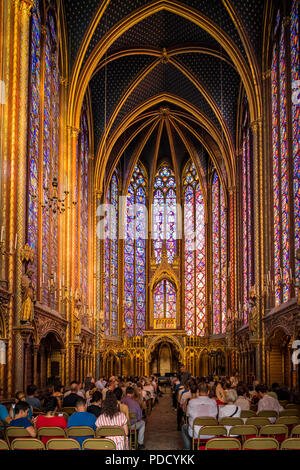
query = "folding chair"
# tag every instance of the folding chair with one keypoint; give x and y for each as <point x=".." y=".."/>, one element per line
<point x="283" y="403"/>
<point x="289" y="421"/>
<point x="227" y="421"/>
<point x="80" y="431"/>
<point x="225" y="443"/>
<point x="62" y="413"/>
<point x="278" y="431"/>
<point x="51" y="432"/>
<point x="292" y="406"/>
<point x="289" y="412"/>
<point x="98" y="444"/>
<point x="215" y="431"/>
<point x="267" y="414"/>
<point x="3" y="445"/>
<point x="27" y="444"/>
<point x="296" y="431"/>
<point x="258" y="421"/>
<point x="202" y="422"/>
<point x="132" y="432"/>
<point x="105" y="431"/>
<point x="69" y="410"/>
<point x="63" y="444"/>
<point x="244" y="432"/>
<point x="293" y="443"/>
<point x="261" y="443"/>
<point x="16" y="432"/>
<point x="247" y="413"/>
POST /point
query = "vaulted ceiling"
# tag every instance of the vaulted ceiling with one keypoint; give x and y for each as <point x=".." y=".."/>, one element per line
<point x="165" y="55"/>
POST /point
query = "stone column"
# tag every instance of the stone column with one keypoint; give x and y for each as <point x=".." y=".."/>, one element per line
<point x="62" y="366"/>
<point x="35" y="355"/>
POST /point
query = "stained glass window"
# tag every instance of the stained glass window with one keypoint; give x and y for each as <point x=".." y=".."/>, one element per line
<point x="219" y="297"/>
<point x="246" y="216"/>
<point x="34" y="117"/>
<point x="49" y="135"/>
<point x="164" y="300"/>
<point x="164" y="214"/>
<point x="135" y="255"/>
<point x="194" y="254"/>
<point x="281" y="194"/>
<point x="111" y="259"/>
<point x="295" y="79"/>
<point x="83" y="179"/>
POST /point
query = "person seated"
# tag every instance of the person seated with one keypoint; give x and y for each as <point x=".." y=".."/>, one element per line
<point x="21" y="418"/>
<point x="203" y="406"/>
<point x="82" y="417"/>
<point x="123" y="408"/>
<point x="135" y="408"/>
<point x="111" y="416"/>
<point x="193" y="394"/>
<point x="230" y="410"/>
<point x="31" y="398"/>
<point x="71" y="398"/>
<point x="95" y="406"/>
<point x="243" y="400"/>
<point x="20" y="396"/>
<point x="50" y="419"/>
<point x="5" y="417"/>
<point x="220" y="392"/>
<point x="266" y="402"/>
<point x="58" y="393"/>
<point x="109" y="387"/>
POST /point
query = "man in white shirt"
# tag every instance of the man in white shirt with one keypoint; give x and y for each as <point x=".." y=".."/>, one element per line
<point x="100" y="383"/>
<point x="201" y="407"/>
<point x="267" y="402"/>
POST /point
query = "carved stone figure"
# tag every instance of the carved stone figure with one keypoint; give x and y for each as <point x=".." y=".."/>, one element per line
<point x="28" y="297"/>
<point x="253" y="312"/>
<point x="101" y="324"/>
<point x="77" y="314"/>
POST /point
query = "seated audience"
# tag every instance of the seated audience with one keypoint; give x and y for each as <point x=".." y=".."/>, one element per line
<point x="135" y="408"/>
<point x="20" y="396"/>
<point x="110" y="387"/>
<point x="31" y="398"/>
<point x="203" y="406"/>
<point x="266" y="402"/>
<point x="71" y="398"/>
<point x="50" y="419"/>
<point x="242" y="401"/>
<point x="95" y="406"/>
<point x="5" y="418"/>
<point x="111" y="416"/>
<point x="58" y="393"/>
<point x="82" y="417"/>
<point x="123" y="408"/>
<point x="231" y="409"/>
<point x="21" y="418"/>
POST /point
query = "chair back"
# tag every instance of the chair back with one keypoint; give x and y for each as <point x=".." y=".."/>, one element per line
<point x="290" y="412"/>
<point x="283" y="403"/>
<point x="132" y="416"/>
<point x="63" y="444"/>
<point x="261" y="443"/>
<point x="205" y="422"/>
<point x="274" y="430"/>
<point x="51" y="431"/>
<point x="69" y="410"/>
<point x="267" y="414"/>
<point x="246" y="431"/>
<point x="288" y="420"/>
<point x="292" y="406"/>
<point x="247" y="413"/>
<point x="258" y="421"/>
<point x="3" y="445"/>
<point x="296" y="431"/>
<point x="213" y="431"/>
<point x="80" y="431"/>
<point x="293" y="443"/>
<point x="63" y="413"/>
<point x="105" y="431"/>
<point x="98" y="444"/>
<point x="27" y="444"/>
<point x="225" y="443"/>
<point x="227" y="421"/>
<point x="13" y="432"/>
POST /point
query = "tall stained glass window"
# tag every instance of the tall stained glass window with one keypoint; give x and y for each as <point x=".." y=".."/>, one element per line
<point x="45" y="132"/>
<point x="164" y="300"/>
<point x="194" y="253"/>
<point x="83" y="179"/>
<point x="219" y="297"/>
<point x="135" y="255"/>
<point x="164" y="214"/>
<point x="295" y="78"/>
<point x="111" y="258"/>
<point x="34" y="124"/>
<point x="246" y="217"/>
<point x="286" y="206"/>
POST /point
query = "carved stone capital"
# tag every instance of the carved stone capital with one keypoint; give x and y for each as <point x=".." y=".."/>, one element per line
<point x="26" y="6"/>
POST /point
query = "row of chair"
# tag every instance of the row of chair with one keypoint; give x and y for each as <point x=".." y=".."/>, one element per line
<point x="243" y="432"/>
<point x="229" y="443"/>
<point x="57" y="444"/>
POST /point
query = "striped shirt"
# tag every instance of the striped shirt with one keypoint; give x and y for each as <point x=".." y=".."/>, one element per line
<point x="118" y="419"/>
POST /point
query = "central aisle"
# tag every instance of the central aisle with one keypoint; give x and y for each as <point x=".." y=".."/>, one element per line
<point x="161" y="427"/>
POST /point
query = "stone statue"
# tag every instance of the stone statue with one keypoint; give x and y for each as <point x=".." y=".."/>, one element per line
<point x="101" y="324"/>
<point x="28" y="297"/>
<point x="77" y="314"/>
<point x="252" y="312"/>
<point x="123" y="334"/>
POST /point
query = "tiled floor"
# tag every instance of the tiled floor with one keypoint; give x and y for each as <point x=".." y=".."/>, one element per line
<point x="161" y="428"/>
